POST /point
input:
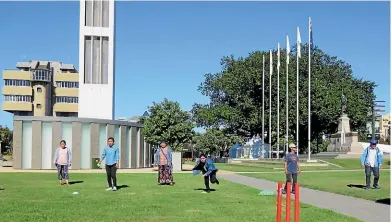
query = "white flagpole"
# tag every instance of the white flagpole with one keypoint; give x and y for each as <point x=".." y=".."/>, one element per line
<point x="270" y="104"/>
<point x="263" y="107"/>
<point x="298" y="55"/>
<point x="278" y="100"/>
<point x="309" y="87"/>
<point x="287" y="95"/>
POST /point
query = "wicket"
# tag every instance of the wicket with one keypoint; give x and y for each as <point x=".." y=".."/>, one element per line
<point x="288" y="203"/>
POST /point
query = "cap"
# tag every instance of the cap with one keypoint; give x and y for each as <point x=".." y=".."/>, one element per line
<point x="373" y="141"/>
<point x="292" y="145"/>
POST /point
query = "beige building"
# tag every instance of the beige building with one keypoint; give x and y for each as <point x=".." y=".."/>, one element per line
<point x="385" y="126"/>
<point x="41" y="88"/>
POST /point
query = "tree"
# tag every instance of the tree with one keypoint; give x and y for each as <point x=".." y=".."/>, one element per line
<point x="5" y="138"/>
<point x="214" y="140"/>
<point x="167" y="122"/>
<point x="235" y="95"/>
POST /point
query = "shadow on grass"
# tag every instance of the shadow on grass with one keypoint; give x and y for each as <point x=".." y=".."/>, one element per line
<point x="384" y="201"/>
<point x="76" y="182"/>
<point x="122" y="186"/>
<point x="211" y="190"/>
<point x="356" y="186"/>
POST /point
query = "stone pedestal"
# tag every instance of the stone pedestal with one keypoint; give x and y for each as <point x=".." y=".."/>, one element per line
<point x="176" y="161"/>
<point x="344" y="140"/>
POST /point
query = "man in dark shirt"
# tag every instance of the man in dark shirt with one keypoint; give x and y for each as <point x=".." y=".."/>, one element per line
<point x="291" y="167"/>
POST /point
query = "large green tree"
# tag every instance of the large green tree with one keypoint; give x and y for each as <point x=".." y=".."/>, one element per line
<point x="214" y="140"/>
<point x="168" y="122"/>
<point x="5" y="138"/>
<point x="236" y="95"/>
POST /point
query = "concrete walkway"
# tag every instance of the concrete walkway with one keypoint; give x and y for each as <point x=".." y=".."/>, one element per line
<point x="358" y="208"/>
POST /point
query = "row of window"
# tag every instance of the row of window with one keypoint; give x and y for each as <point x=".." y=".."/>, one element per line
<point x="67" y="84"/>
<point x="17" y="98"/>
<point x="42" y="75"/>
<point x="66" y="99"/>
<point x="59" y="99"/>
<point x="16" y="82"/>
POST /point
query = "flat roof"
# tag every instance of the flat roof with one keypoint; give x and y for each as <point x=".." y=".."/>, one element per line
<point x="76" y="119"/>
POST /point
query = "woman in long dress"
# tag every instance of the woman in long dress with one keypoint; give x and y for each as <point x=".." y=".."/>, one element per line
<point x="163" y="158"/>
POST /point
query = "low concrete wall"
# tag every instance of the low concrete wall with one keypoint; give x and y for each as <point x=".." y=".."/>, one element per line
<point x="177" y="161"/>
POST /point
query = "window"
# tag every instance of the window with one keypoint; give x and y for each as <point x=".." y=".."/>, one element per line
<point x="17" y="98"/>
<point x="97" y="13"/>
<point x="39" y="106"/>
<point x="42" y="75"/>
<point x="67" y="84"/>
<point x="96" y="60"/>
<point x="39" y="89"/>
<point x="67" y="99"/>
<point x="16" y="82"/>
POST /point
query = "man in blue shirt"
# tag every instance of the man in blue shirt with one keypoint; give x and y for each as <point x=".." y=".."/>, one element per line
<point x="372" y="159"/>
<point x="111" y="153"/>
<point x="291" y="167"/>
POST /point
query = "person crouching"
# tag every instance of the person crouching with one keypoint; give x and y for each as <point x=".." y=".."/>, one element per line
<point x="208" y="169"/>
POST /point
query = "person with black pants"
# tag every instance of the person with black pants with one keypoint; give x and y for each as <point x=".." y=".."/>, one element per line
<point x="292" y="168"/>
<point x="111" y="153"/>
<point x="208" y="169"/>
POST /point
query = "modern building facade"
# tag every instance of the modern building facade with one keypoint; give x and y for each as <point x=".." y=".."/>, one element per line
<point x="35" y="141"/>
<point x="96" y="59"/>
<point x="41" y="88"/>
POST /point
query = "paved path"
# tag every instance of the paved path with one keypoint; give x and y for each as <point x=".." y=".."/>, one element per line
<point x="359" y="208"/>
<point x="303" y="171"/>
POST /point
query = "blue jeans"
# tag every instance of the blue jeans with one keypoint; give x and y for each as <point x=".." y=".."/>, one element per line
<point x="368" y="171"/>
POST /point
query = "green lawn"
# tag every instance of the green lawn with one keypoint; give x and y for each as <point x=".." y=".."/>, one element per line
<point x="37" y="197"/>
<point x="337" y="182"/>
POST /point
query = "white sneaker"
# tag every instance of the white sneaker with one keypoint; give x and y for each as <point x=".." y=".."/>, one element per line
<point x="109" y="188"/>
<point x="114" y="188"/>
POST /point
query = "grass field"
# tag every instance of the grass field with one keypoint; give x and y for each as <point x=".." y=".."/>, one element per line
<point x="37" y="197"/>
<point x="338" y="182"/>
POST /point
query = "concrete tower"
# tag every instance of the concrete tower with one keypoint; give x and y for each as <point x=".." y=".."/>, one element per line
<point x="96" y="59"/>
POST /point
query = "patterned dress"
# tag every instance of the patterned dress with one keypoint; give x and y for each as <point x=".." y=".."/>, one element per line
<point x="165" y="174"/>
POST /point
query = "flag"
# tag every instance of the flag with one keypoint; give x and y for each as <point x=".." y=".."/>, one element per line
<point x="271" y="63"/>
<point x="298" y="43"/>
<point x="288" y="49"/>
<point x="278" y="56"/>
<point x="310" y="30"/>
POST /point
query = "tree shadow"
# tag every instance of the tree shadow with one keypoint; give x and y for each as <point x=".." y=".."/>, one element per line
<point x="384" y="201"/>
<point x="356" y="186"/>
<point x="76" y="182"/>
<point x="211" y="190"/>
<point x="122" y="186"/>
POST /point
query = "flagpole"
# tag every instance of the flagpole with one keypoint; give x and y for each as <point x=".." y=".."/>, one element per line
<point x="278" y="101"/>
<point x="297" y="91"/>
<point x="309" y="87"/>
<point x="287" y="95"/>
<point x="270" y="105"/>
<point x="263" y="107"/>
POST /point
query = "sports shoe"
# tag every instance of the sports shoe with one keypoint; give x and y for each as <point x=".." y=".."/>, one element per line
<point x="206" y="191"/>
<point x="114" y="188"/>
<point x="376" y="187"/>
<point x="367" y="188"/>
<point x="109" y="188"/>
<point x="217" y="182"/>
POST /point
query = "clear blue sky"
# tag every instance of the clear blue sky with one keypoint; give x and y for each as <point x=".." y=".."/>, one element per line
<point x="164" y="48"/>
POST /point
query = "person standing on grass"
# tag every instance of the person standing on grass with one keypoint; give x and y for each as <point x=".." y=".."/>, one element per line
<point x="163" y="158"/>
<point x="292" y="168"/>
<point x="208" y="169"/>
<point x="111" y="153"/>
<point x="63" y="160"/>
<point x="372" y="159"/>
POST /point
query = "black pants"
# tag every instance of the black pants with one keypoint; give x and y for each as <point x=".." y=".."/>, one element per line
<point x="212" y="178"/>
<point x="368" y="171"/>
<point x="289" y="177"/>
<point x="111" y="171"/>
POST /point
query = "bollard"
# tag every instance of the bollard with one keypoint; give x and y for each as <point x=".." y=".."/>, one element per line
<point x="297" y="203"/>
<point x="288" y="202"/>
<point x="279" y="201"/>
